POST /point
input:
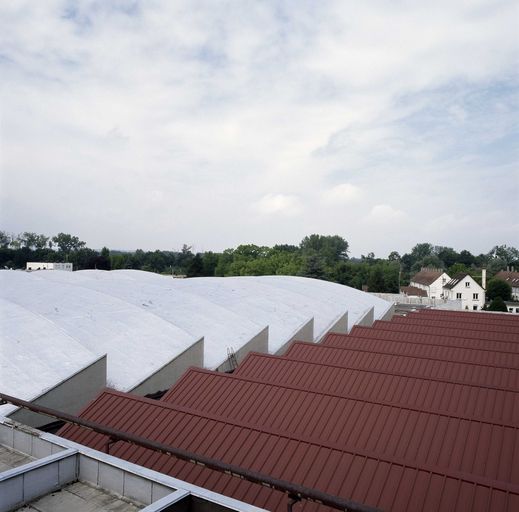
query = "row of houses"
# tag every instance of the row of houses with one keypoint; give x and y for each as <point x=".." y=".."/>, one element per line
<point x="437" y="284"/>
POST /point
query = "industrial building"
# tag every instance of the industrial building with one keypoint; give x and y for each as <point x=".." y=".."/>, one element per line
<point x="419" y="413"/>
<point x="67" y="335"/>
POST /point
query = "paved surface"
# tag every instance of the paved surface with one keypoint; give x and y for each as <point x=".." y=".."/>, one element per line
<point x="81" y="497"/>
<point x="10" y="459"/>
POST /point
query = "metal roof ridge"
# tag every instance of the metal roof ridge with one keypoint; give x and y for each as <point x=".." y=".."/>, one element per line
<point x="404" y="342"/>
<point x="395" y="405"/>
<point x="383" y="372"/>
<point x="369" y="329"/>
<point x="447" y="472"/>
<point x="396" y="354"/>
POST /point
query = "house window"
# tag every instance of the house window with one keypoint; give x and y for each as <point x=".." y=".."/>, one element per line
<point x="511" y="310"/>
<point x="475" y="308"/>
<point x="467" y="284"/>
<point x="475" y="296"/>
<point x="458" y="295"/>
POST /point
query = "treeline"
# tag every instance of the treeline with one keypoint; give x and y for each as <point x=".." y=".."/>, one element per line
<point x="317" y="256"/>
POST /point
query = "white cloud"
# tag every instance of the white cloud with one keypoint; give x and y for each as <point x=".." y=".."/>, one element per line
<point x="385" y="213"/>
<point x="214" y="107"/>
<point x="343" y="193"/>
<point x="274" y="204"/>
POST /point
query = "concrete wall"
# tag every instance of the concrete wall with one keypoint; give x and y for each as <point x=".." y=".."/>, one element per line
<point x="305" y="333"/>
<point x="70" y="396"/>
<point x="166" y="376"/>
<point x="367" y="319"/>
<point x="259" y="343"/>
<point x="388" y="315"/>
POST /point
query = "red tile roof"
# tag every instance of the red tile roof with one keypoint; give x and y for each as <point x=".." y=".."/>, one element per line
<point x="507" y="347"/>
<point x="483" y="317"/>
<point x="358" y="470"/>
<point x="409" y="418"/>
<point x="443" y="351"/>
<point x="460" y="331"/>
<point x="426" y="276"/>
<point x="431" y="321"/>
<point x="436" y="392"/>
<point x="512" y="278"/>
<point x="413" y="291"/>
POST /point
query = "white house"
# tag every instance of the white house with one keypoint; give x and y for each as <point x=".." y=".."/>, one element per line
<point x="432" y="281"/>
<point x="38" y="265"/>
<point x="463" y="287"/>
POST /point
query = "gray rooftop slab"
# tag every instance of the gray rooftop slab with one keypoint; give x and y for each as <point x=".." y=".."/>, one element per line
<point x="81" y="497"/>
<point x="10" y="459"/>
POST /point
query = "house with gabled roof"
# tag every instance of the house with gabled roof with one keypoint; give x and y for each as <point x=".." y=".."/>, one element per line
<point x="512" y="278"/>
<point x="463" y="287"/>
<point x="431" y="280"/>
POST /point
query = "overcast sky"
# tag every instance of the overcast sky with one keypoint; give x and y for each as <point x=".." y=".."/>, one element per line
<point x="153" y="124"/>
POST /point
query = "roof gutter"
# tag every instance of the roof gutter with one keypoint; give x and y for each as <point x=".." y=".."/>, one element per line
<point x="295" y="492"/>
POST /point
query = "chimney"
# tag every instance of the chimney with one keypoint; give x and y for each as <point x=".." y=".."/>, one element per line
<point x="484" y="278"/>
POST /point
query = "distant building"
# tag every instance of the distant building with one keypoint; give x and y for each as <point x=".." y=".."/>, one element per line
<point x="431" y="280"/>
<point x="463" y="287"/>
<point x="512" y="278"/>
<point x="38" y="265"/>
<point x="513" y="307"/>
<point x="413" y="291"/>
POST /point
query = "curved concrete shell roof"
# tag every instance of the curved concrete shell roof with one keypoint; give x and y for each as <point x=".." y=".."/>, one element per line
<point x="35" y="354"/>
<point x="143" y="321"/>
<point x="136" y="341"/>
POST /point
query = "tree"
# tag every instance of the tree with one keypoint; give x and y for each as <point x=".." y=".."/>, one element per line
<point x="376" y="279"/>
<point x="498" y="288"/>
<point x="393" y="256"/>
<point x="67" y="243"/>
<point x="195" y="267"/>
<point x="313" y="266"/>
<point x="331" y="248"/>
<point x="498" y="304"/>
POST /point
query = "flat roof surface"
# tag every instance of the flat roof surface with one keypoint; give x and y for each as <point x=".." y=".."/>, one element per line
<point x="10" y="459"/>
<point x="81" y="497"/>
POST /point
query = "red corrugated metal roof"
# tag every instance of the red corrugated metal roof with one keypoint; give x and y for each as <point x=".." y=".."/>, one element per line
<point x="443" y="351"/>
<point x="475" y="316"/>
<point x="283" y="406"/>
<point x="419" y="416"/>
<point x="470" y="373"/>
<point x="391" y="483"/>
<point x="483" y="401"/>
<point x="507" y="347"/>
<point x="430" y="320"/>
<point x="460" y="332"/>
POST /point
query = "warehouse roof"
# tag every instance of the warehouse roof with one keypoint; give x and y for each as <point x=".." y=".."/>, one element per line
<point x="35" y="354"/>
<point x="366" y="474"/>
<point x="388" y="423"/>
<point x="101" y="323"/>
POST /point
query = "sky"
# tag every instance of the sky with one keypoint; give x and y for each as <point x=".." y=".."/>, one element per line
<point x="160" y="123"/>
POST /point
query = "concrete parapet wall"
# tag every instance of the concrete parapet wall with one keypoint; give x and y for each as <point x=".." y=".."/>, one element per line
<point x="70" y="396"/>
<point x="166" y="376"/>
<point x="367" y="318"/>
<point x="305" y="333"/>
<point x="258" y="343"/>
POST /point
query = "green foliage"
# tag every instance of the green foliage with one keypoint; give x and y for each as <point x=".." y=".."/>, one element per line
<point x="498" y="288"/>
<point x="332" y="248"/>
<point x="67" y="243"/>
<point x="498" y="304"/>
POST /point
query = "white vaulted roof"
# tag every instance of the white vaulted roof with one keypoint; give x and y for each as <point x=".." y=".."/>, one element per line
<point x="141" y="320"/>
